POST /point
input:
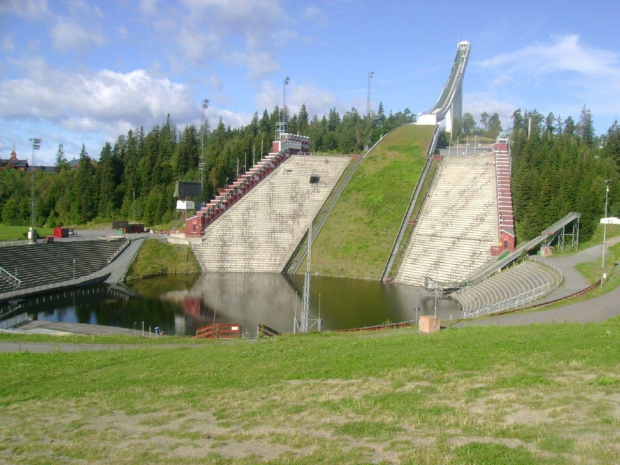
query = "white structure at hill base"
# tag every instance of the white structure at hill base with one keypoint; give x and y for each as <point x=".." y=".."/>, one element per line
<point x="457" y="224"/>
<point x="260" y="232"/>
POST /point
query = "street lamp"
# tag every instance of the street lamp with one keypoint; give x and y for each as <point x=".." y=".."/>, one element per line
<point x="36" y="145"/>
<point x="607" y="181"/>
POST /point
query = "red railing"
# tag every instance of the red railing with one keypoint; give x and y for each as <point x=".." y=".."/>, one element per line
<point x="219" y="331"/>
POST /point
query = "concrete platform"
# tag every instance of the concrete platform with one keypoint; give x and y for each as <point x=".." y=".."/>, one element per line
<point x="61" y="328"/>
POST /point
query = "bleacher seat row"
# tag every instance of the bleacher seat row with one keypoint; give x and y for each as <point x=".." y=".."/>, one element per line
<point x="518" y="285"/>
<point x="260" y="232"/>
<point x="457" y="224"/>
<point x="60" y="260"/>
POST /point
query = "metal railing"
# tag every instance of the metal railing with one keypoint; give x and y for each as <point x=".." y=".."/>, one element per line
<point x="523" y="298"/>
<point x="91" y="278"/>
<point x="13" y="280"/>
<point x="14" y="321"/>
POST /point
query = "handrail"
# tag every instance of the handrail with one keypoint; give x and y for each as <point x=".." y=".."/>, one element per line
<point x="265" y="331"/>
<point x="14" y="280"/>
<point x="415" y="221"/>
<point x="412" y="203"/>
<point x="219" y="331"/>
<point x="94" y="277"/>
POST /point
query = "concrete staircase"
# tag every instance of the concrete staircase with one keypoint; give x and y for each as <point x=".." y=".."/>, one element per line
<point x="457" y="224"/>
<point x="261" y="230"/>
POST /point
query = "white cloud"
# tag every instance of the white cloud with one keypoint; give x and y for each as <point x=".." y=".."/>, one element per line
<point x="198" y="45"/>
<point x="560" y="75"/>
<point x="149" y="6"/>
<point x="7" y="43"/>
<point x="242" y="32"/>
<point x="88" y="102"/>
<point x="30" y="9"/>
<point x="315" y="14"/>
<point x="563" y="53"/>
<point x="259" y="64"/>
<point x="317" y="101"/>
<point x="67" y="34"/>
<point x="477" y="103"/>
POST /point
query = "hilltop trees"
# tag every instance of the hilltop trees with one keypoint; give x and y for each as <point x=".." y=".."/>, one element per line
<point x="558" y="169"/>
<point x="491" y="126"/>
<point x="134" y="177"/>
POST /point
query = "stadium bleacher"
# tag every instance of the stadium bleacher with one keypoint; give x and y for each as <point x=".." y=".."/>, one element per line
<point x="261" y="231"/>
<point x="457" y="224"/>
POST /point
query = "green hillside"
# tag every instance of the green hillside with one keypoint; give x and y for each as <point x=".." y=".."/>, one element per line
<point x="357" y="238"/>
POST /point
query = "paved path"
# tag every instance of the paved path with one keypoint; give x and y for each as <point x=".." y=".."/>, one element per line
<point x="598" y="309"/>
<point x="119" y="266"/>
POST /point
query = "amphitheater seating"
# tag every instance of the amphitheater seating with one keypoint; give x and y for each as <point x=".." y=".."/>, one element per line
<point x="260" y="232"/>
<point x="457" y="224"/>
<point x="521" y="280"/>
<point x="40" y="264"/>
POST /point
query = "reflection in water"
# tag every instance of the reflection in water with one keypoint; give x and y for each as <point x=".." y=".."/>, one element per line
<point x="272" y="299"/>
<point x="180" y="305"/>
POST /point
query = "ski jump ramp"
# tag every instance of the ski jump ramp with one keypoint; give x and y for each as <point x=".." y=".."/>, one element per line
<point x="449" y="106"/>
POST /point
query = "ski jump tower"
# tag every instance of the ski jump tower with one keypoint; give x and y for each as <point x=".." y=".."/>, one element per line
<point x="450" y="103"/>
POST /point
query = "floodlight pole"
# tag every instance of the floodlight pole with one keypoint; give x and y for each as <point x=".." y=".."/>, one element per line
<point x="607" y="181"/>
<point x="202" y="165"/>
<point x="370" y="76"/>
<point x="286" y="80"/>
<point x="36" y="145"/>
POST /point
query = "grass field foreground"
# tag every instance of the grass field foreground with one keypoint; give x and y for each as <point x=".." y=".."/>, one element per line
<point x="546" y="394"/>
<point x="357" y="239"/>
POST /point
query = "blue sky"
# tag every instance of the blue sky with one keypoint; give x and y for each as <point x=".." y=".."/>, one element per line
<point x="76" y="72"/>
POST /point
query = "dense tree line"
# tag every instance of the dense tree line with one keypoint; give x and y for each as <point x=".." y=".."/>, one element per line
<point x="560" y="166"/>
<point x="134" y="178"/>
<point x="490" y="126"/>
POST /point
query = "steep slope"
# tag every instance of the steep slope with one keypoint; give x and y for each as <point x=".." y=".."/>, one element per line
<point x="358" y="236"/>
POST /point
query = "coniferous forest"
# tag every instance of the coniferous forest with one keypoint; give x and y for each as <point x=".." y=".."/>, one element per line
<point x="559" y="166"/>
<point x="134" y="178"/>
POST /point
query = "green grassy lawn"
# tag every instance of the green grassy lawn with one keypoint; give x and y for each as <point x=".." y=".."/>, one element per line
<point x="17" y="233"/>
<point x="158" y="258"/>
<point x="545" y="394"/>
<point x="358" y="236"/>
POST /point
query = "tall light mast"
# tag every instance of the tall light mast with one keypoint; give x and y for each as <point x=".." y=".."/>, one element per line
<point x="202" y="164"/>
<point x="368" y="109"/>
<point x="36" y="145"/>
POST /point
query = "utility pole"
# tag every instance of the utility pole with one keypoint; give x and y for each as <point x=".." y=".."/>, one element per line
<point x="36" y="145"/>
<point x="305" y="310"/>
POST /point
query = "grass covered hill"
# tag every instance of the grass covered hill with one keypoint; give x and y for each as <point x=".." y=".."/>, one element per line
<point x="357" y="239"/>
<point x="545" y="394"/>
